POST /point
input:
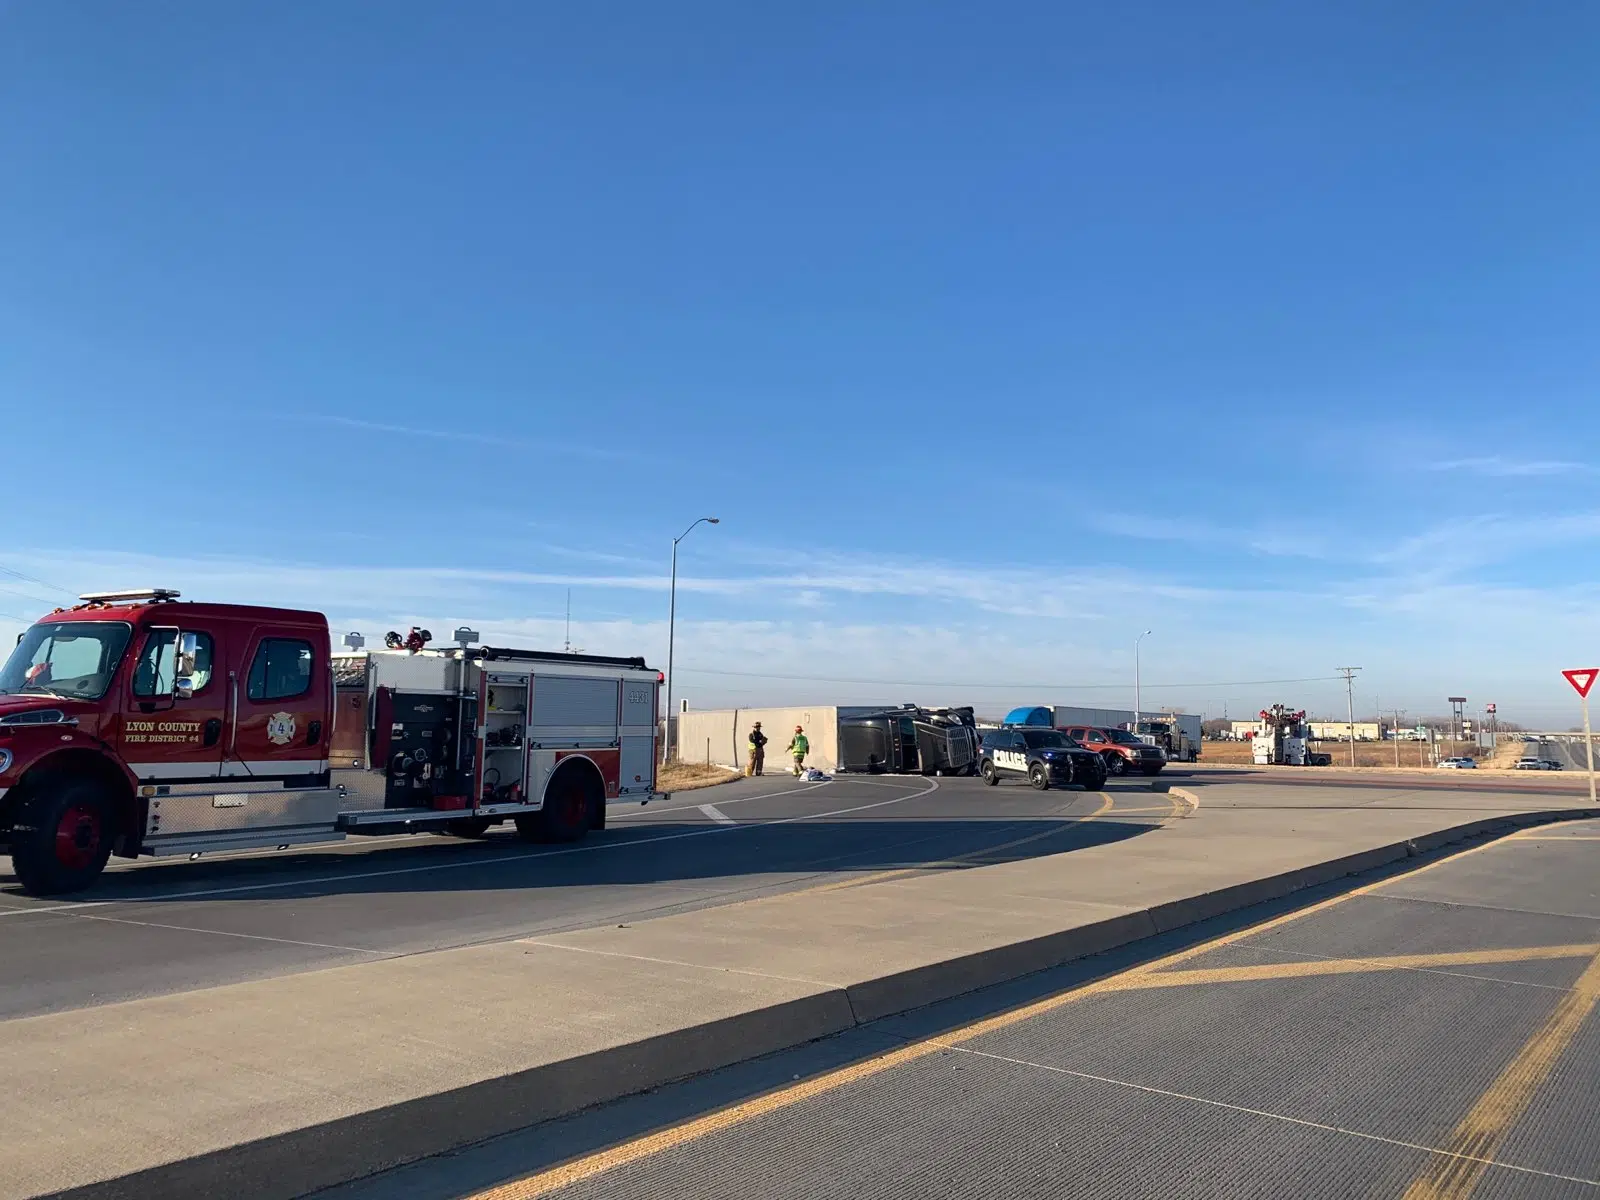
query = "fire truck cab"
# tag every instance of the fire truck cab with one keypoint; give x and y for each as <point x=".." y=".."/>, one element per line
<point x="135" y="724"/>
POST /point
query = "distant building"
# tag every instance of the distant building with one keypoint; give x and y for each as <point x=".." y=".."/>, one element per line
<point x="1339" y="731"/>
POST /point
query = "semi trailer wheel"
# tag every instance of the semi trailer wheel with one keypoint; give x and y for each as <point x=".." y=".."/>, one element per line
<point x="62" y="836"/>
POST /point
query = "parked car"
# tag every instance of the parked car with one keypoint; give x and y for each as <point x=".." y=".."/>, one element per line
<point x="1047" y="757"/>
<point x="1458" y="764"/>
<point x="1532" y="762"/>
<point x="1121" y="751"/>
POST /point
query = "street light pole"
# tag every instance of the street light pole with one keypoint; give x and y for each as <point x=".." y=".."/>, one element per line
<point x="672" y="626"/>
<point x="1136" y="697"/>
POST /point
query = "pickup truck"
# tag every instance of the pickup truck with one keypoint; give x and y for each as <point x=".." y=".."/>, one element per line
<point x="1121" y="752"/>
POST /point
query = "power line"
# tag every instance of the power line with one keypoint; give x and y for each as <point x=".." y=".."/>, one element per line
<point x="26" y="596"/>
<point x="54" y="587"/>
<point x="968" y="684"/>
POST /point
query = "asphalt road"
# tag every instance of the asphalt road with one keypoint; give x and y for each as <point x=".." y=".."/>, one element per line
<point x="152" y="928"/>
<point x="1432" y="1034"/>
<point x="1568" y="751"/>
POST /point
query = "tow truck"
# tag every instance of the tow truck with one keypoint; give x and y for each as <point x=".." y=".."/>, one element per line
<point x="1281" y="739"/>
<point x="135" y="724"/>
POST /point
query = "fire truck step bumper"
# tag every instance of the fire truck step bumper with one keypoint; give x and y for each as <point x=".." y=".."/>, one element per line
<point x="244" y="839"/>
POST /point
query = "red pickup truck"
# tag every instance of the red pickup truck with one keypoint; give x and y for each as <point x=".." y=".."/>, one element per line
<point x="1123" y="753"/>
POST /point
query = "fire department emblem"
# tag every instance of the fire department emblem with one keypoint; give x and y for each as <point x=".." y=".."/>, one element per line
<point x="280" y="728"/>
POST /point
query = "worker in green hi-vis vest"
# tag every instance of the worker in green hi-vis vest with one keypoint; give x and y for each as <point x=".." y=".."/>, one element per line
<point x="799" y="746"/>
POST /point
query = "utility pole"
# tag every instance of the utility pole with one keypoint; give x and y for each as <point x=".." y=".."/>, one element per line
<point x="1349" y="674"/>
<point x="1398" y="714"/>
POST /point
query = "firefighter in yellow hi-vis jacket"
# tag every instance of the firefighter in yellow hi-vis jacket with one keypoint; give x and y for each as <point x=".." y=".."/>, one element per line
<point x="758" y="750"/>
<point x="799" y="746"/>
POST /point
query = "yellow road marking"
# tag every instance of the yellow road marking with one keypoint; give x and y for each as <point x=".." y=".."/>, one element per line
<point x="1479" y="1135"/>
<point x="1143" y="980"/>
<point x="544" y="1182"/>
<point x="547" y="1181"/>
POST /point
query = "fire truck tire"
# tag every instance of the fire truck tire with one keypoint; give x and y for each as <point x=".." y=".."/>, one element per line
<point x="570" y="804"/>
<point x="62" y="836"/>
<point x="1115" y="764"/>
<point x="468" y="827"/>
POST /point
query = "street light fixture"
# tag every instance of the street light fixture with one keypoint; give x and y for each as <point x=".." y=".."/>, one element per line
<point x="1136" y="696"/>
<point x="672" y="621"/>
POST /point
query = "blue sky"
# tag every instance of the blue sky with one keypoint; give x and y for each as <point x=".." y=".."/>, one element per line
<point x="994" y="334"/>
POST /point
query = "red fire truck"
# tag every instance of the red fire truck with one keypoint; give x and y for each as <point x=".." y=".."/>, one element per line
<point x="135" y="724"/>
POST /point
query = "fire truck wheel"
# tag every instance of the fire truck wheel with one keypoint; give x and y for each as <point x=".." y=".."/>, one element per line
<point x="1038" y="778"/>
<point x="569" y="808"/>
<point x="62" y="837"/>
<point x="1115" y="764"/>
<point x="468" y="827"/>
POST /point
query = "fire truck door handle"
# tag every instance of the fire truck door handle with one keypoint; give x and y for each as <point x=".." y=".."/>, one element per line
<point x="313" y="733"/>
<point x="213" y="731"/>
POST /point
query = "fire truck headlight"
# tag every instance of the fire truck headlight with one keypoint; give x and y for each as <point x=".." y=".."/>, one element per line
<point x="5" y="761"/>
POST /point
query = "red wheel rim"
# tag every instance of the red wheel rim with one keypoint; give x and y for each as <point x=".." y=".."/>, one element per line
<point x="572" y="804"/>
<point x="78" y="837"/>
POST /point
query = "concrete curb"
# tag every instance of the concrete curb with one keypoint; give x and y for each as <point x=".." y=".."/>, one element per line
<point x="305" y="1160"/>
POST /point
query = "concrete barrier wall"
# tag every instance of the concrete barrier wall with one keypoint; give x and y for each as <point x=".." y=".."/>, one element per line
<point x="720" y="735"/>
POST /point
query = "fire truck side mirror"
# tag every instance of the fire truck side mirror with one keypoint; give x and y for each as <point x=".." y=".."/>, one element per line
<point x="183" y="674"/>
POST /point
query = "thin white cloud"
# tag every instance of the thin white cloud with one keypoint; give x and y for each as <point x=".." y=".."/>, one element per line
<point x="463" y="435"/>
<point x="1497" y="466"/>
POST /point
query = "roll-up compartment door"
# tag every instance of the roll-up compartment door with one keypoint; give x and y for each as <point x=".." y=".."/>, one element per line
<point x="571" y="708"/>
<point x="639" y="704"/>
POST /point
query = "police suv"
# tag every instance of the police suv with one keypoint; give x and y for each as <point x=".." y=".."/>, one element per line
<point x="1046" y="756"/>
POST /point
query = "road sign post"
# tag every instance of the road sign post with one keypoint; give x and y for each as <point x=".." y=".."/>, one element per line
<point x="1582" y="679"/>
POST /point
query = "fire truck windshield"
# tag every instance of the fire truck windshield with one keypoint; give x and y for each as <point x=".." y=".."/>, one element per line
<point x="72" y="660"/>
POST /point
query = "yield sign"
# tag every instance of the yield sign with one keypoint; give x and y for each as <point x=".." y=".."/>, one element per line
<point x="1582" y="678"/>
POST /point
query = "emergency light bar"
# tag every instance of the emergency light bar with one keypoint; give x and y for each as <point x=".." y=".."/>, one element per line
<point x="157" y="594"/>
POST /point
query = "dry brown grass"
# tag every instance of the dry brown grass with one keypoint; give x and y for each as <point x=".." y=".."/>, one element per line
<point x="685" y="776"/>
<point x="1368" y="754"/>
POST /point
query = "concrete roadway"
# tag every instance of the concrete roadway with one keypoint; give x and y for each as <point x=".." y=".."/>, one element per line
<point x="1431" y="1035"/>
<point x="153" y="928"/>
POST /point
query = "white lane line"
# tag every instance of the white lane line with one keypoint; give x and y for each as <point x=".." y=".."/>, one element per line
<point x="484" y="862"/>
<point x="646" y="811"/>
<point x="717" y="815"/>
<point x="254" y="937"/>
<point x="1271" y="1116"/>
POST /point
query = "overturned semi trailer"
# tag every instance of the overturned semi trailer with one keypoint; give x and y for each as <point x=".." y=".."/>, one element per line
<point x="909" y="740"/>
